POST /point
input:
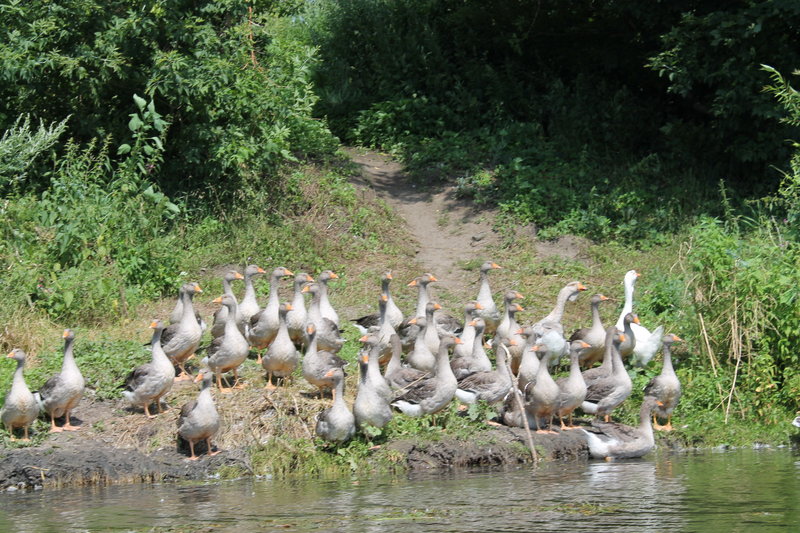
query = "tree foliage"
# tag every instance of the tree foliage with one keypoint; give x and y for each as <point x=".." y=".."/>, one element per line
<point x="237" y="95"/>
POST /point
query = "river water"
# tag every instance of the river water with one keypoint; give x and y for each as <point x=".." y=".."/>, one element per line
<point x="742" y="490"/>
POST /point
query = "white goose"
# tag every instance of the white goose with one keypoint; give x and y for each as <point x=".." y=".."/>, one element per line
<point x="647" y="343"/>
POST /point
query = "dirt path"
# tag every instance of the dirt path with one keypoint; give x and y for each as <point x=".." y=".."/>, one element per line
<point x="450" y="232"/>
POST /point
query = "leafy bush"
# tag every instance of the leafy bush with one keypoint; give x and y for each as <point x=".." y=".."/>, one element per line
<point x="96" y="240"/>
<point x="234" y="86"/>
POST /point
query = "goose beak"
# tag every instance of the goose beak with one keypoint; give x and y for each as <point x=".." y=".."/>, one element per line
<point x="437" y="306"/>
<point x="384" y="298"/>
<point x="636" y="320"/>
<point x="154" y="324"/>
<point x="289" y="307"/>
<point x="478" y="305"/>
<point x="512" y="342"/>
<point x="603" y="298"/>
<point x="471" y="323"/>
<point x="10" y="354"/>
<point x="520" y="308"/>
<point x="433" y="278"/>
<point x="581" y="287"/>
<point x="585" y="345"/>
<point x="676" y="338"/>
<point x="622" y="337"/>
<point x="413" y="283"/>
<point x="309" y="279"/>
<point x="198" y="377"/>
<point x="65" y="334"/>
<point x="495" y="265"/>
<point x="238" y="276"/>
<point x="389" y="275"/>
<point x="217" y="300"/>
<point x="197" y="288"/>
<point x="305" y="288"/>
<point x="363" y="338"/>
<point x="287" y="272"/>
<point x="334" y="275"/>
<point x="413" y="320"/>
<point x="458" y="341"/>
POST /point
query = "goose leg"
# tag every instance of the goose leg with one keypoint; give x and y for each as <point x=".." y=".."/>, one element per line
<point x="236" y="384"/>
<point x="147" y="410"/>
<point x="68" y="426"/>
<point x="668" y="427"/>
<point x="191" y="448"/>
<point x="25" y="437"/>
<point x="219" y="383"/>
<point x="53" y="427"/>
<point x="561" y="419"/>
<point x="270" y="386"/>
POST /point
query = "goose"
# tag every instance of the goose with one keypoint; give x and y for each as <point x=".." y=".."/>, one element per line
<point x="198" y="419"/>
<point x="423" y="291"/>
<point x="282" y="357"/>
<point x="607" y="366"/>
<point x="508" y="328"/>
<point x="614" y="441"/>
<point x="409" y="329"/>
<point x="606" y="393"/>
<point x="177" y="311"/>
<point x="488" y="310"/>
<point x="325" y="306"/>
<point x="372" y="349"/>
<point x="572" y="389"/>
<point x="393" y="313"/>
<point x="396" y="375"/>
<point x="371" y="407"/>
<point x="528" y="369"/>
<point x="477" y="361"/>
<point x="626" y="348"/>
<point x="328" y="334"/>
<point x="665" y="388"/>
<point x="431" y="395"/>
<point x="490" y="386"/>
<point x="180" y="340"/>
<point x="228" y="351"/>
<point x="248" y="306"/>
<point x="594" y="336"/>
<point x="385" y="330"/>
<point x="316" y="363"/>
<point x="151" y="381"/>
<point x="543" y="395"/>
<point x="220" y="317"/>
<point x="467" y="335"/>
<point x="647" y="342"/>
<point x="297" y="318"/>
<point x="20" y="408"/>
<point x="431" y="333"/>
<point x="422" y="357"/>
<point x="337" y="423"/>
<point x="263" y="326"/>
<point x="61" y="393"/>
<point x="552" y="321"/>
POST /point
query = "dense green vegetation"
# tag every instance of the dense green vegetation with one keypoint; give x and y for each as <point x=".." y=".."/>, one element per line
<point x="143" y="140"/>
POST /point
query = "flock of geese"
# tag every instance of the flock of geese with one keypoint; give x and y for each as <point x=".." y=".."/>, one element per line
<point x="415" y="365"/>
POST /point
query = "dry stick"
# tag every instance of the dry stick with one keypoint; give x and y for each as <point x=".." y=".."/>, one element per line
<point x="521" y="407"/>
<point x="711" y="356"/>
<point x="737" y="349"/>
